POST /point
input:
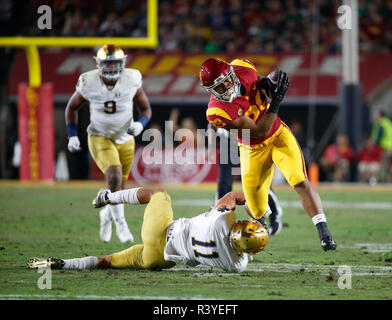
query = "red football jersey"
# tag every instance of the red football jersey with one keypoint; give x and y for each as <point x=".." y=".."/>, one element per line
<point x="252" y="104"/>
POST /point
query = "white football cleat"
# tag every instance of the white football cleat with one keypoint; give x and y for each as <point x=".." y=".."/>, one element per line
<point x="53" y="263"/>
<point x="123" y="232"/>
<point x="105" y="227"/>
<point x="101" y="199"/>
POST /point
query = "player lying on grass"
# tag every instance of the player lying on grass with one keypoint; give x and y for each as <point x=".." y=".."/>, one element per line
<point x="213" y="238"/>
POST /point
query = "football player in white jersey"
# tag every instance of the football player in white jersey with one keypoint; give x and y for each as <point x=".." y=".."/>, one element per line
<point x="213" y="238"/>
<point x="111" y="90"/>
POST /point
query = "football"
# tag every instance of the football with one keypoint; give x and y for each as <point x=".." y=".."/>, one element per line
<point x="273" y="76"/>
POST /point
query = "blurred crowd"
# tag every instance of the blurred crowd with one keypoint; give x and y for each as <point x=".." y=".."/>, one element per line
<point x="197" y="26"/>
<point x="90" y="18"/>
<point x="371" y="163"/>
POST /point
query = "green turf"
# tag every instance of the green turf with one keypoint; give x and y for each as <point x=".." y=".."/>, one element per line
<point x="60" y="222"/>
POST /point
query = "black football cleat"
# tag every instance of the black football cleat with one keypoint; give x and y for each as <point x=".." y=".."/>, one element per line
<point x="262" y="221"/>
<point x="275" y="218"/>
<point x="52" y="263"/>
<point x="328" y="243"/>
<point x="275" y="225"/>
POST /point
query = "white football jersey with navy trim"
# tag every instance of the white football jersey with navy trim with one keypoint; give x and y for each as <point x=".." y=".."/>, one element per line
<point x="111" y="111"/>
<point x="204" y="240"/>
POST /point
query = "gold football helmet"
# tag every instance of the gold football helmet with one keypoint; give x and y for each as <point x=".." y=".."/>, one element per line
<point x="248" y="237"/>
<point x="110" y="61"/>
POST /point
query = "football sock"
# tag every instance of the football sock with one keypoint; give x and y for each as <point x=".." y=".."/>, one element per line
<point x="106" y="212"/>
<point x="81" y="263"/>
<point x="319" y="218"/>
<point x="125" y="196"/>
<point x="117" y="212"/>
<point x="320" y="221"/>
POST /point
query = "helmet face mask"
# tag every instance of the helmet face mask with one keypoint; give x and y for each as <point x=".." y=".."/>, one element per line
<point x="111" y="62"/>
<point x="248" y="237"/>
<point x="213" y="74"/>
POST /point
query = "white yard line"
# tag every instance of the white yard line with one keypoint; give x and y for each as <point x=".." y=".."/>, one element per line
<point x="288" y="267"/>
<point x="371" y="247"/>
<point x="95" y="297"/>
<point x="298" y="204"/>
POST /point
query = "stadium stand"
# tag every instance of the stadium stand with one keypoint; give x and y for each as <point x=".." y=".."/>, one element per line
<point x="196" y="26"/>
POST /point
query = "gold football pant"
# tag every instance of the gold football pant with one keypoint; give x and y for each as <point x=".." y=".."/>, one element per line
<point x="149" y="255"/>
<point x="257" y="167"/>
<point x="107" y="153"/>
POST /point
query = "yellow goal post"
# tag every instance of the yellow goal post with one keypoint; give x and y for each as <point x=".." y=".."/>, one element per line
<point x="31" y="44"/>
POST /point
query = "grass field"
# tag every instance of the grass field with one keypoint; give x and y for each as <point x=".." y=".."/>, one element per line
<point x="58" y="220"/>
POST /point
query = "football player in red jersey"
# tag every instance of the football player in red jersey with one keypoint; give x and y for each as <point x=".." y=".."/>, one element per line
<point x="239" y="101"/>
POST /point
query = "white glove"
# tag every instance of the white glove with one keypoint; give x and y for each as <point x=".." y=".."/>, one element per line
<point x="135" y="129"/>
<point x="223" y="133"/>
<point x="74" y="144"/>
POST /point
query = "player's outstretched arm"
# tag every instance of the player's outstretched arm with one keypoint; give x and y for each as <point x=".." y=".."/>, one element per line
<point x="230" y="200"/>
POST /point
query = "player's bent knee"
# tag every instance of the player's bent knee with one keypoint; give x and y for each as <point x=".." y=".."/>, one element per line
<point x="153" y="259"/>
<point x="298" y="181"/>
<point x="256" y="213"/>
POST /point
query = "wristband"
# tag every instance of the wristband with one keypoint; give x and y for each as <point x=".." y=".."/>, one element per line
<point x="143" y="120"/>
<point x="72" y="129"/>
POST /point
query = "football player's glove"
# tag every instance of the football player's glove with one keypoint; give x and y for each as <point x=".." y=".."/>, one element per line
<point x="223" y="133"/>
<point x="276" y="90"/>
<point x="74" y="144"/>
<point x="135" y="129"/>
